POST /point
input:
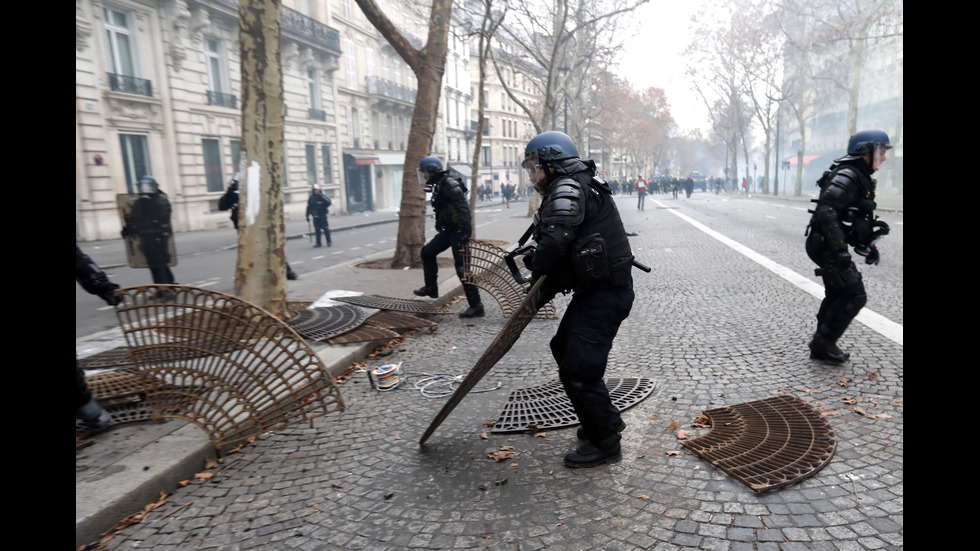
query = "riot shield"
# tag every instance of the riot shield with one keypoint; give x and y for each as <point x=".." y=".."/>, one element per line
<point x="498" y="348"/>
<point x="147" y="234"/>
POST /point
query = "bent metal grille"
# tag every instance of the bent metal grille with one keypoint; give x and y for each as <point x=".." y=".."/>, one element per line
<point x="768" y="443"/>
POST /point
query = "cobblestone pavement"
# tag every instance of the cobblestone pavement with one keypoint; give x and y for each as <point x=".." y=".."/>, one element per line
<point x="359" y="480"/>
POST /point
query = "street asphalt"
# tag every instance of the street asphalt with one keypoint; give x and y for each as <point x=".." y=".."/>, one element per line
<point x="359" y="480"/>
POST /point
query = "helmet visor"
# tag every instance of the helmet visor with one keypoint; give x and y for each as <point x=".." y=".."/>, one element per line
<point x="879" y="155"/>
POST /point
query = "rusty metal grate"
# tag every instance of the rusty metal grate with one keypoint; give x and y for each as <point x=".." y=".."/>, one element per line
<point x="321" y="324"/>
<point x="547" y="406"/>
<point x="107" y="359"/>
<point x="396" y="304"/>
<point x="484" y="267"/>
<point x="364" y="333"/>
<point x="768" y="443"/>
<point x="219" y="362"/>
<point x="398" y="322"/>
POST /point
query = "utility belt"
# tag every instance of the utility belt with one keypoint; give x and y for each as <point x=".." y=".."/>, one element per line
<point x="593" y="267"/>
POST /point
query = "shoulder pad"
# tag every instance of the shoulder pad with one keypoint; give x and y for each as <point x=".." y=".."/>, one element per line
<point x="567" y="188"/>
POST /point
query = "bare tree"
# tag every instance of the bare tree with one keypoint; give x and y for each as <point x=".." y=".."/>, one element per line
<point x="489" y="23"/>
<point x="260" y="272"/>
<point x="428" y="64"/>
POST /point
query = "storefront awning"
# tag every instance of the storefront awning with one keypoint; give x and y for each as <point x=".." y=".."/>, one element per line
<point x="806" y="159"/>
<point x="366" y="160"/>
<point x="461" y="170"/>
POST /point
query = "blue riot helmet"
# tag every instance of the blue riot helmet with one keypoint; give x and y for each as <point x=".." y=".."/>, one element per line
<point x="428" y="166"/>
<point x="545" y="150"/>
<point x="148" y="184"/>
<point x="864" y="142"/>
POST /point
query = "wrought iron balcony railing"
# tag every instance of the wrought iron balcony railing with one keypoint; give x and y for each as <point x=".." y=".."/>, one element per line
<point x="381" y="87"/>
<point x="130" y="85"/>
<point x="221" y="99"/>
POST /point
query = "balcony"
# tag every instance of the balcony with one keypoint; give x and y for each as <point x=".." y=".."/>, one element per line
<point x="380" y="87"/>
<point x="220" y="99"/>
<point x="318" y="115"/>
<point x="312" y="30"/>
<point x="130" y="85"/>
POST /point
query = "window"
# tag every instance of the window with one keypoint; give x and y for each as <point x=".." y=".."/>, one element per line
<point x="486" y="156"/>
<point x="212" y="164"/>
<point x="351" y="63"/>
<point x="327" y="165"/>
<point x="217" y="75"/>
<point x="369" y="58"/>
<point x="313" y="85"/>
<point x="136" y="159"/>
<point x="345" y="8"/>
<point x="310" y="164"/>
<point x="385" y="67"/>
<point x="120" y="41"/>
<point x="236" y="155"/>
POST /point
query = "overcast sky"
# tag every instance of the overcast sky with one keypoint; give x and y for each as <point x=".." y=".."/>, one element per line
<point x="653" y="58"/>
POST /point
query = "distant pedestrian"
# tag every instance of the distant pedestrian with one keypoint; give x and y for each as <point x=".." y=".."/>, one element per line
<point x="641" y="193"/>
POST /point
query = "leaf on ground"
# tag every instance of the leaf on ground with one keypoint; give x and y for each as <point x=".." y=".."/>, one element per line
<point x="673" y="453"/>
<point x="880" y="416"/>
<point x="859" y="410"/>
<point x="850" y="401"/>
<point x="872" y="374"/>
<point x="682" y="434"/>
<point x="203" y="476"/>
<point x="842" y="381"/>
<point x="702" y="422"/>
<point x="673" y="425"/>
<point x="484" y="436"/>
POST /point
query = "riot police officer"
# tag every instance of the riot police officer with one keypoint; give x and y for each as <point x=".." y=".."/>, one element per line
<point x="844" y="216"/>
<point x="454" y="227"/>
<point x="581" y="246"/>
<point x="148" y="222"/>
<point x="317" y="207"/>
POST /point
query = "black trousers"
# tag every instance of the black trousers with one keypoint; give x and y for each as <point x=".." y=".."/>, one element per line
<point x="430" y="265"/>
<point x="581" y="348"/>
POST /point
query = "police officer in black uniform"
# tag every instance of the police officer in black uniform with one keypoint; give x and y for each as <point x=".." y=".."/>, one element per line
<point x="581" y="246"/>
<point x="844" y="216"/>
<point x="229" y="201"/>
<point x="454" y="227"/>
<point x="149" y="222"/>
<point x="91" y="277"/>
<point x="317" y="207"/>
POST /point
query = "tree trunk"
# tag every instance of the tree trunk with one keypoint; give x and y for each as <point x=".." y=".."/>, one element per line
<point x="260" y="272"/>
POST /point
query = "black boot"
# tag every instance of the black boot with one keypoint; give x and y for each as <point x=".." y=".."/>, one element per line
<point x="290" y="274"/>
<point x="473" y="312"/>
<point x="431" y="291"/>
<point x="580" y="433"/>
<point x="824" y="349"/>
<point x="590" y="455"/>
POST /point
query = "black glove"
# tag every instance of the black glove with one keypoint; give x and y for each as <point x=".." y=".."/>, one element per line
<point x="881" y="229"/>
<point x="872" y="257"/>
<point x="107" y="292"/>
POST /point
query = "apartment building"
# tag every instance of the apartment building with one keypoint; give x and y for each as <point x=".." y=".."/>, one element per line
<point x="158" y="88"/>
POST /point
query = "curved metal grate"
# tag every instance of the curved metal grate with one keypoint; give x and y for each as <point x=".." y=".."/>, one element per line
<point x="364" y="333"/>
<point x="217" y="361"/>
<point x="397" y="304"/>
<point x="484" y="266"/>
<point x="107" y="359"/>
<point x="768" y="443"/>
<point x="398" y="322"/>
<point x="320" y="324"/>
<point x="547" y="407"/>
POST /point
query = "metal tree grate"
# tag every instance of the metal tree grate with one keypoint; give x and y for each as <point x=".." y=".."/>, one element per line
<point x="364" y="333"/>
<point x="768" y="443"/>
<point x="396" y="304"/>
<point x="548" y="407"/>
<point x="107" y="359"/>
<point x="484" y="266"/>
<point x="217" y="361"/>
<point x="321" y="324"/>
<point x="398" y="322"/>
